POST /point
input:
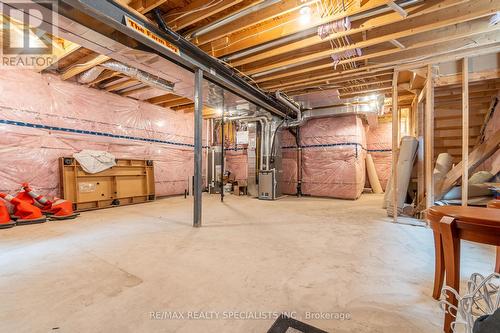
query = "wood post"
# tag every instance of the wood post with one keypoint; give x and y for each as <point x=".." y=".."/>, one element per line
<point x="429" y="138"/>
<point x="395" y="145"/>
<point x="465" y="131"/>
<point x="420" y="154"/>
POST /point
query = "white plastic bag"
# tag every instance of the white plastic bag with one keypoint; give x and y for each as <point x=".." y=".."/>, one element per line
<point x="94" y="161"/>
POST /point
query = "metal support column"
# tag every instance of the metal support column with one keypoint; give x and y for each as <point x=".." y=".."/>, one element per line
<point x="198" y="153"/>
<point x="222" y="156"/>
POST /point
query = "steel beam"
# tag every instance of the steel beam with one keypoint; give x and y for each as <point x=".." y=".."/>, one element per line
<point x="222" y="155"/>
<point x="108" y="17"/>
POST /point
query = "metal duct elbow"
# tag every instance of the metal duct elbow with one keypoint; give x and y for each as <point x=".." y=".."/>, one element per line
<point x="140" y="75"/>
<point x="90" y="75"/>
<point x="301" y="120"/>
<point x="362" y="106"/>
<point x="340" y="110"/>
<point x="264" y="115"/>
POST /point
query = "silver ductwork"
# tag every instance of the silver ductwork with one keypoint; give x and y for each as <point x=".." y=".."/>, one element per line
<point x="264" y="119"/>
<point x="140" y="75"/>
<point x="90" y="75"/>
<point x="363" y="106"/>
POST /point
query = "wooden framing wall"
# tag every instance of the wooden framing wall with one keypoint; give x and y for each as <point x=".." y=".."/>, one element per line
<point x="465" y="131"/>
<point x="454" y="95"/>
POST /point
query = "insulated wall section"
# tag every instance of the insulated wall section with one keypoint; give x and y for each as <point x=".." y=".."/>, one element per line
<point x="43" y="118"/>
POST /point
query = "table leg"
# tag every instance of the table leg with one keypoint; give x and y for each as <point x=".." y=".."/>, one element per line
<point x="497" y="264"/>
<point x="451" y="249"/>
<point x="439" y="264"/>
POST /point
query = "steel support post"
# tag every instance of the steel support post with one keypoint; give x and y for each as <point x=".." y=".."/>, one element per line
<point x="198" y="153"/>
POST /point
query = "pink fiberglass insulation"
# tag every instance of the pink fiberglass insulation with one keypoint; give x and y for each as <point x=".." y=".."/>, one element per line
<point x="44" y="118"/>
<point x="236" y="163"/>
<point x="379" y="145"/>
<point x="289" y="163"/>
<point x="333" y="157"/>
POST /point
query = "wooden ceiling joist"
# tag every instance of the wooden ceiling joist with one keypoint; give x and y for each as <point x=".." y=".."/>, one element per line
<point x="441" y="52"/>
<point x="144" y="6"/>
<point x="83" y="65"/>
<point x="442" y="37"/>
<point x="195" y="12"/>
<point x="121" y="85"/>
<point x="290" y="56"/>
<point x="357" y="27"/>
<point x="366" y="92"/>
<point x="106" y="75"/>
<point x="135" y="91"/>
<point x="357" y="88"/>
<point x="256" y="17"/>
<point x="342" y="83"/>
<point x="294" y="86"/>
<point x="177" y="103"/>
<point x="437" y="20"/>
<point x="61" y="50"/>
<point x="163" y="98"/>
<point x="286" y="25"/>
<point x="183" y="107"/>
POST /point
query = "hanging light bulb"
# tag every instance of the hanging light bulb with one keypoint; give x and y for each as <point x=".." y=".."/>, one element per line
<point x="305" y="15"/>
<point x="495" y="19"/>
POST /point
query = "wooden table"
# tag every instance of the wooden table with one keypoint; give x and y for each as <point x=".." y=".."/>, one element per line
<point x="450" y="225"/>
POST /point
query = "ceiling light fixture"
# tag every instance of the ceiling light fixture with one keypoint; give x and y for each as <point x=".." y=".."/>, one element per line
<point x="495" y="19"/>
<point x="305" y="15"/>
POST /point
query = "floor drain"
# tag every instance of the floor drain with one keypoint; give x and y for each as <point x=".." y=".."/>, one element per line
<point x="286" y="324"/>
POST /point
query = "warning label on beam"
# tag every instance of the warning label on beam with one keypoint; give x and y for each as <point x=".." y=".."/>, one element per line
<point x="150" y="35"/>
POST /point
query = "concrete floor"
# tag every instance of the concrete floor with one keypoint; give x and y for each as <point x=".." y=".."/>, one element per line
<point x="108" y="270"/>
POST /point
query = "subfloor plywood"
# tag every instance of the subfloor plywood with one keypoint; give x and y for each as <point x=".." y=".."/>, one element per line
<point x="108" y="270"/>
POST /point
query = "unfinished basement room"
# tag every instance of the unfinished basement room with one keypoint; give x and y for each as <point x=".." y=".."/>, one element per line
<point x="253" y="166"/>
